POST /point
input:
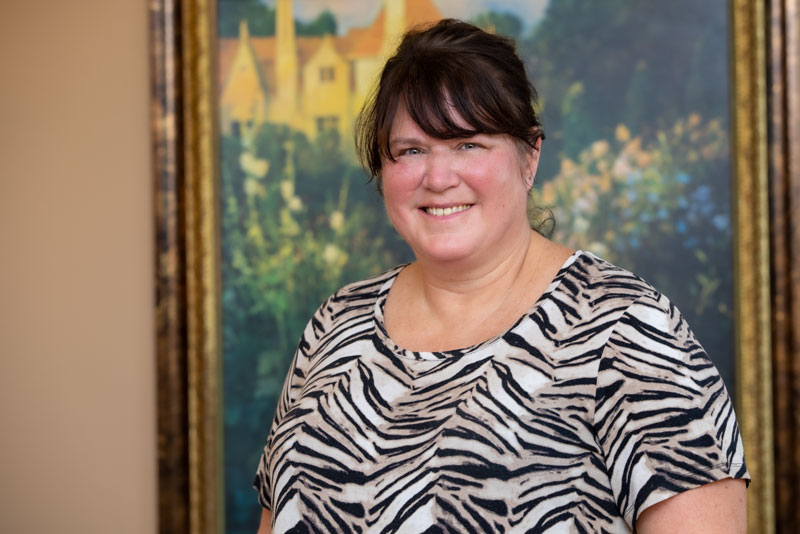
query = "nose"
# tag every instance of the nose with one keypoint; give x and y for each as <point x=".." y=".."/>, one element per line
<point x="440" y="172"/>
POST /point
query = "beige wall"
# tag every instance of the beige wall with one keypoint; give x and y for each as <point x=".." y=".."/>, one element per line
<point x="77" y="409"/>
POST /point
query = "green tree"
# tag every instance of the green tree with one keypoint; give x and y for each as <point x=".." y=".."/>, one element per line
<point x="259" y="16"/>
<point x="260" y="19"/>
<point x="644" y="62"/>
<point x="324" y="23"/>
<point x="298" y="222"/>
<point x="506" y="24"/>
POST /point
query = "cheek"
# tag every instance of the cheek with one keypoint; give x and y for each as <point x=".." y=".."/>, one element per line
<point x="395" y="202"/>
<point x="398" y="183"/>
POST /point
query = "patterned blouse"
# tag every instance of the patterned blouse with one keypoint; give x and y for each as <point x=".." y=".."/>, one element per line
<point x="596" y="404"/>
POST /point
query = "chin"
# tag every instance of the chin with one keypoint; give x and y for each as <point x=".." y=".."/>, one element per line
<point x="445" y="253"/>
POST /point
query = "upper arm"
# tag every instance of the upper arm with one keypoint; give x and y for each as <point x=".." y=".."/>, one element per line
<point x="718" y="507"/>
<point x="663" y="418"/>
<point x="265" y="527"/>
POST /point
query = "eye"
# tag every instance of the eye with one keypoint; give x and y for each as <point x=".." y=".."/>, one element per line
<point x="410" y="151"/>
<point x="468" y="146"/>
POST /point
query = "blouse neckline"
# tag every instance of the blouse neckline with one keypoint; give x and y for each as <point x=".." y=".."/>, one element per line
<point x="386" y="340"/>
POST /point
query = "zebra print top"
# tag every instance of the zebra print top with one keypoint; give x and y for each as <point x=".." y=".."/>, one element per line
<point x="596" y="404"/>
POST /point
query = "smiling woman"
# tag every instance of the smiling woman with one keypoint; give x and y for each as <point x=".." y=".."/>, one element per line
<point x="456" y="199"/>
<point x="501" y="382"/>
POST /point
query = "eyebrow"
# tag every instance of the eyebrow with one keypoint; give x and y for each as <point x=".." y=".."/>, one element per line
<point x="404" y="141"/>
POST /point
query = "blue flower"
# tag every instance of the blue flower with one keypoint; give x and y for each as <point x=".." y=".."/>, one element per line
<point x="702" y="195"/>
<point x="721" y="222"/>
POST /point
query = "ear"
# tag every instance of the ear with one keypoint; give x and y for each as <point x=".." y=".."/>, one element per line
<point x="531" y="163"/>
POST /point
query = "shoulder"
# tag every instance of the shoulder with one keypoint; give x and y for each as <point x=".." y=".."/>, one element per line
<point x="645" y="326"/>
<point x="594" y="293"/>
<point x="358" y="297"/>
<point x="350" y="306"/>
<point x="642" y="329"/>
<point x="601" y="281"/>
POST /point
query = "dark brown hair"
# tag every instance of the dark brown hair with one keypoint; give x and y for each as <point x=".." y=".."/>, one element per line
<point x="451" y="67"/>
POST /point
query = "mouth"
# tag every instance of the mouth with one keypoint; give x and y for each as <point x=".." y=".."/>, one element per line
<point x="444" y="212"/>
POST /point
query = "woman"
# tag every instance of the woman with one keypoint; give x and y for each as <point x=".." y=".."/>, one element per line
<point x="501" y="382"/>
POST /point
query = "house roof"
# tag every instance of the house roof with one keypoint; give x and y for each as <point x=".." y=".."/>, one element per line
<point x="419" y="11"/>
<point x="367" y="41"/>
<point x="357" y="43"/>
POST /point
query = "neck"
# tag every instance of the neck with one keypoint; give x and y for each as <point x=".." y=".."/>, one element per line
<point x="452" y="290"/>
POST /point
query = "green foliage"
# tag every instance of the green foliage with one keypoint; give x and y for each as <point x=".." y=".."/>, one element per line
<point x="644" y="62"/>
<point x="506" y="24"/>
<point x="667" y="217"/>
<point x="660" y="209"/>
<point x="259" y="16"/>
<point x="324" y="23"/>
<point x="298" y="222"/>
<point x="260" y="19"/>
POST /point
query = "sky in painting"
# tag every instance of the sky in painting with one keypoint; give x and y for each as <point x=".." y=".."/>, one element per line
<point x="354" y="13"/>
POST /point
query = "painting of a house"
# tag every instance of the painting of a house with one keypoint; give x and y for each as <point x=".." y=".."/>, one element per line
<point x="309" y="83"/>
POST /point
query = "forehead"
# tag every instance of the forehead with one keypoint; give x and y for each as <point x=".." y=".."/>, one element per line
<point x="403" y="123"/>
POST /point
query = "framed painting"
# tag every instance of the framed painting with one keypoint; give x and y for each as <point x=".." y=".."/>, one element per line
<point x="263" y="210"/>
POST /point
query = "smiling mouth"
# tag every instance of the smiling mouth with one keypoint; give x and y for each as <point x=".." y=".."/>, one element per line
<point x="443" y="212"/>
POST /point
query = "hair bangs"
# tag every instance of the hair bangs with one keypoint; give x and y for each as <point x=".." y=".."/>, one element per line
<point x="454" y="81"/>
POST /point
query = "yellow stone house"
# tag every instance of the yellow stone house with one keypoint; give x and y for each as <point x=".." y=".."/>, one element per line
<point x="309" y="83"/>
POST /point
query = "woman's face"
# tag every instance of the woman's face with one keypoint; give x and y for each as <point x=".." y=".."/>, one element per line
<point x="457" y="200"/>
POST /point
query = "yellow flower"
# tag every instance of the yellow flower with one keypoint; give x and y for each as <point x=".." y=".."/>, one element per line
<point x="288" y="225"/>
<point x="337" y="220"/>
<point x="634" y="146"/>
<point x="334" y="256"/>
<point x="295" y="204"/>
<point x="598" y="248"/>
<point x="599" y="148"/>
<point x="548" y="194"/>
<point x="252" y="187"/>
<point x="253" y="165"/>
<point x="622" y="134"/>
<point x="287" y="190"/>
<point x="694" y="120"/>
<point x="255" y="236"/>
<point x="605" y="182"/>
<point x="567" y="166"/>
<point x="643" y="159"/>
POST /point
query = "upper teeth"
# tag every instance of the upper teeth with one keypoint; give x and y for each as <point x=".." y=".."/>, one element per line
<point x="446" y="211"/>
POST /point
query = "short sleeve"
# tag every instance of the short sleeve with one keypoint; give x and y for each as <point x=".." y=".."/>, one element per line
<point x="292" y="385"/>
<point x="663" y="417"/>
<point x="262" y="481"/>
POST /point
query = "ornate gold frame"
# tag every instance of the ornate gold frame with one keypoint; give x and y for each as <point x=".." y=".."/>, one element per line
<point x="188" y="244"/>
<point x="752" y="260"/>
<point x="187" y="267"/>
<point x="784" y="133"/>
